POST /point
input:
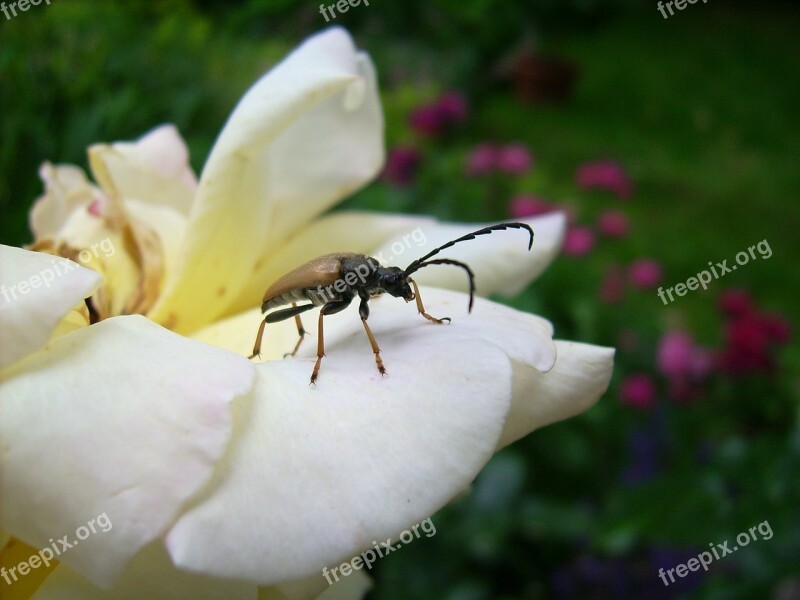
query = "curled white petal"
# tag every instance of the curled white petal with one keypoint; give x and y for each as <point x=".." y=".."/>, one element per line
<point x="122" y="419"/>
<point x="580" y="376"/>
<point x="36" y="291"/>
<point x="154" y="169"/>
<point x="295" y="145"/>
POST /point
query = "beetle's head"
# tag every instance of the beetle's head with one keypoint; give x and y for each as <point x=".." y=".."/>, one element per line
<point x="394" y="281"/>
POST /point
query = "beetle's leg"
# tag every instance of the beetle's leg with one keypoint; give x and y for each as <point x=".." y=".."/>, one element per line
<point x="330" y="308"/>
<point x="320" y="350"/>
<point x="257" y="345"/>
<point x="300" y="331"/>
<point x="421" y="308"/>
<point x="363" y="310"/>
<point x="278" y="315"/>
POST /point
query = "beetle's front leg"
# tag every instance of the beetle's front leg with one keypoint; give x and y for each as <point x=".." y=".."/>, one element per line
<point x="363" y="310"/>
<point x="330" y="308"/>
<point x="421" y="308"/>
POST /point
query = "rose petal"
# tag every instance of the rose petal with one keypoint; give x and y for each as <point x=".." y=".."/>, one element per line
<point x="159" y="233"/>
<point x="66" y="190"/>
<point x="580" y="376"/>
<point x="352" y="587"/>
<point x="151" y="575"/>
<point x="38" y="290"/>
<point x="155" y="169"/>
<point x="238" y="335"/>
<point x="327" y="470"/>
<point x="152" y="185"/>
<point x="306" y="135"/>
<point x="122" y="418"/>
<point x="501" y="261"/>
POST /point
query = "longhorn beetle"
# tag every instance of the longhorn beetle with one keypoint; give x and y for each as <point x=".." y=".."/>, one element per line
<point x="332" y="281"/>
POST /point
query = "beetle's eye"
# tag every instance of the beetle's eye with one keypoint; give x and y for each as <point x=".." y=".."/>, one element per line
<point x="390" y="279"/>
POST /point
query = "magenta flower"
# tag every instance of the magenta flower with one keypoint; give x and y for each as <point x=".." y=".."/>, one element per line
<point x="482" y="160"/>
<point x="434" y="118"/>
<point x="678" y="357"/>
<point x="777" y="328"/>
<point x="529" y="206"/>
<point x="515" y="159"/>
<point x="645" y="273"/>
<point x="427" y="120"/>
<point x="750" y="341"/>
<point x="579" y="241"/>
<point x="605" y="175"/>
<point x="402" y="163"/>
<point x="613" y="224"/>
<point x="638" y="391"/>
<point x="735" y="302"/>
<point x="453" y="107"/>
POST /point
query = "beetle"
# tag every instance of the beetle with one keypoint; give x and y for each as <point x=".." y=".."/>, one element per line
<point x="334" y="280"/>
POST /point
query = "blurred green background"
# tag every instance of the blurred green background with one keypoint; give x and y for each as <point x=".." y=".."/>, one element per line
<point x="698" y="438"/>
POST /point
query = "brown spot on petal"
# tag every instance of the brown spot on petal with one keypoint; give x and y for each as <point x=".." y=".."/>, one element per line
<point x="221" y="291"/>
<point x="259" y="264"/>
<point x="170" y="321"/>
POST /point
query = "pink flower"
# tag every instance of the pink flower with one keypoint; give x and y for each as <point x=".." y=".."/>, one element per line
<point x="612" y="288"/>
<point x="638" y="391"/>
<point x="750" y="341"/>
<point x="735" y="302"/>
<point x="515" y="159"/>
<point x="645" y="273"/>
<point x="432" y="119"/>
<point x="529" y="206"/>
<point x="613" y="224"/>
<point x="578" y="241"/>
<point x="678" y="357"/>
<point x="427" y="120"/>
<point x="747" y="346"/>
<point x="401" y="165"/>
<point x="605" y="175"/>
<point x="453" y="107"/>
<point x="482" y="160"/>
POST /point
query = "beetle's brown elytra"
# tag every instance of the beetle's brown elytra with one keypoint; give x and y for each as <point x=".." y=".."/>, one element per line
<point x="334" y="280"/>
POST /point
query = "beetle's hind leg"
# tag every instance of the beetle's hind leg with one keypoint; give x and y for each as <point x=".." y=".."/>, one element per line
<point x="278" y="315"/>
<point x="257" y="345"/>
<point x="300" y="331"/>
<point x="421" y="308"/>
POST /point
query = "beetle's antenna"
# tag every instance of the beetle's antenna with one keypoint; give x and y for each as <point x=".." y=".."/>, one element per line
<point x="417" y="264"/>
<point x="449" y="261"/>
